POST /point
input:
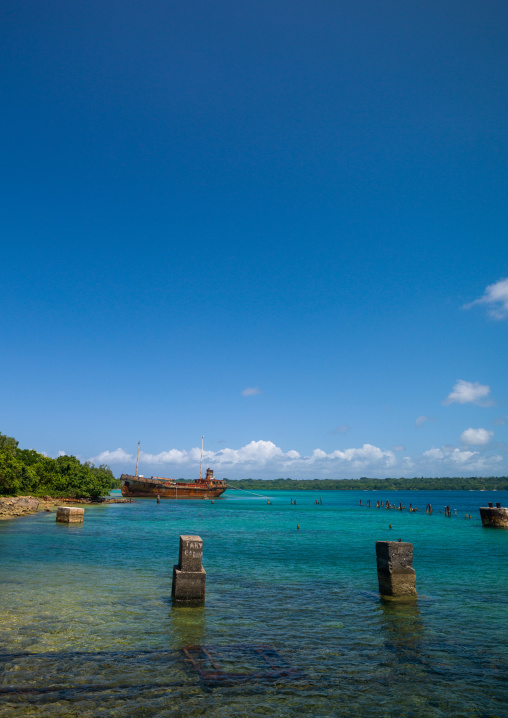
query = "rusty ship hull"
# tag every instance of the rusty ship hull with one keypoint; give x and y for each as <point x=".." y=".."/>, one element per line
<point x="156" y="486"/>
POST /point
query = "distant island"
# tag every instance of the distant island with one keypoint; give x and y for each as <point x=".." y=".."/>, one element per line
<point x="473" y="483"/>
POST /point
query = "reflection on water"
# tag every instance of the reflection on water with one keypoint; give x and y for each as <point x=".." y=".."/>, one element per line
<point x="402" y="627"/>
<point x="187" y="625"/>
<point x="87" y="627"/>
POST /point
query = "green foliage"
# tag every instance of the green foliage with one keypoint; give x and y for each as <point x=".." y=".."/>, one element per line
<point x="27" y="471"/>
<point x="8" y="442"/>
<point x="103" y="469"/>
<point x="490" y="483"/>
<point x="15" y="477"/>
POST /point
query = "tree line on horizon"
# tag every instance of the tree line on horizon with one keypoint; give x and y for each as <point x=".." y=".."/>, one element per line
<point x="25" y="471"/>
<point x="445" y="483"/>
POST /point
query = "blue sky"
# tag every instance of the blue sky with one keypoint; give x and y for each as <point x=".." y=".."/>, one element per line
<point x="282" y="225"/>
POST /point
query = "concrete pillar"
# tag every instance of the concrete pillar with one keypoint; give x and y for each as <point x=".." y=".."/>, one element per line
<point x="69" y="515"/>
<point x="189" y="576"/>
<point x="395" y="571"/>
<point x="494" y="517"/>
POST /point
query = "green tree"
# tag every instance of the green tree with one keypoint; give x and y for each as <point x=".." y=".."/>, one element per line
<point x="27" y="471"/>
<point x="8" y="442"/>
<point x="11" y="473"/>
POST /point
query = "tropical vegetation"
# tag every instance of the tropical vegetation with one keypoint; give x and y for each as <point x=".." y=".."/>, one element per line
<point x="25" y="471"/>
<point x="491" y="483"/>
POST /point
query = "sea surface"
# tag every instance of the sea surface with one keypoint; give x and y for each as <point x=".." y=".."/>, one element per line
<point x="293" y="624"/>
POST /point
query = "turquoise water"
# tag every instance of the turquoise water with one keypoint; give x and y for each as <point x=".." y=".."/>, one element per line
<point x="87" y="627"/>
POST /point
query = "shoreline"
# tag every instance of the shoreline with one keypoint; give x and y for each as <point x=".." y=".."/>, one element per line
<point x="12" y="507"/>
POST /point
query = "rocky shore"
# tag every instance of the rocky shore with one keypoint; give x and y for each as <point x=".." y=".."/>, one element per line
<point x="14" y="506"/>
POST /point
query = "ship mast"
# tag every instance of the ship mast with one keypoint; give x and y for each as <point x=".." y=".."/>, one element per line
<point x="137" y="460"/>
<point x="201" y="464"/>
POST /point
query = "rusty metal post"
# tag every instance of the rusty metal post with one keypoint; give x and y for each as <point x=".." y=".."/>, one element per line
<point x="137" y="460"/>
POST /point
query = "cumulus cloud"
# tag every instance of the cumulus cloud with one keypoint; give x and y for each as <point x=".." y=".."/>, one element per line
<point x="119" y="456"/>
<point x="452" y="458"/>
<point x="451" y="454"/>
<point x="251" y="391"/>
<point x="264" y="459"/>
<point x="256" y="452"/>
<point x="293" y="454"/>
<point x="465" y="392"/>
<point x="363" y="456"/>
<point x="173" y="456"/>
<point x="259" y="455"/>
<point x="476" y="437"/>
<point x="434" y="454"/>
<point x="420" y="421"/>
<point x="495" y="298"/>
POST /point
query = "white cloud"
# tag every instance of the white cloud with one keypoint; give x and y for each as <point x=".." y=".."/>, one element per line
<point x="434" y="454"/>
<point x="264" y="459"/>
<point x="251" y="391"/>
<point x="450" y="454"/>
<point x="256" y="452"/>
<point x="465" y="392"/>
<point x="398" y="447"/>
<point x="461" y="457"/>
<point x="118" y="456"/>
<point x="173" y="456"/>
<point x="62" y="453"/>
<point x="293" y="454"/>
<point x="365" y="455"/>
<point x="496" y="299"/>
<point x="258" y="455"/>
<point x="449" y="458"/>
<point x="420" y="421"/>
<point x="318" y="454"/>
<point x="476" y="437"/>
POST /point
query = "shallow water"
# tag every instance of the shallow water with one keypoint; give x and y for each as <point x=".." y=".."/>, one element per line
<point x="292" y="617"/>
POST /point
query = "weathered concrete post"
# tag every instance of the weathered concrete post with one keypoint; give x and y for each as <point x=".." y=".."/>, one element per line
<point x="69" y="515"/>
<point x="494" y="517"/>
<point x="395" y="571"/>
<point x="189" y="576"/>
